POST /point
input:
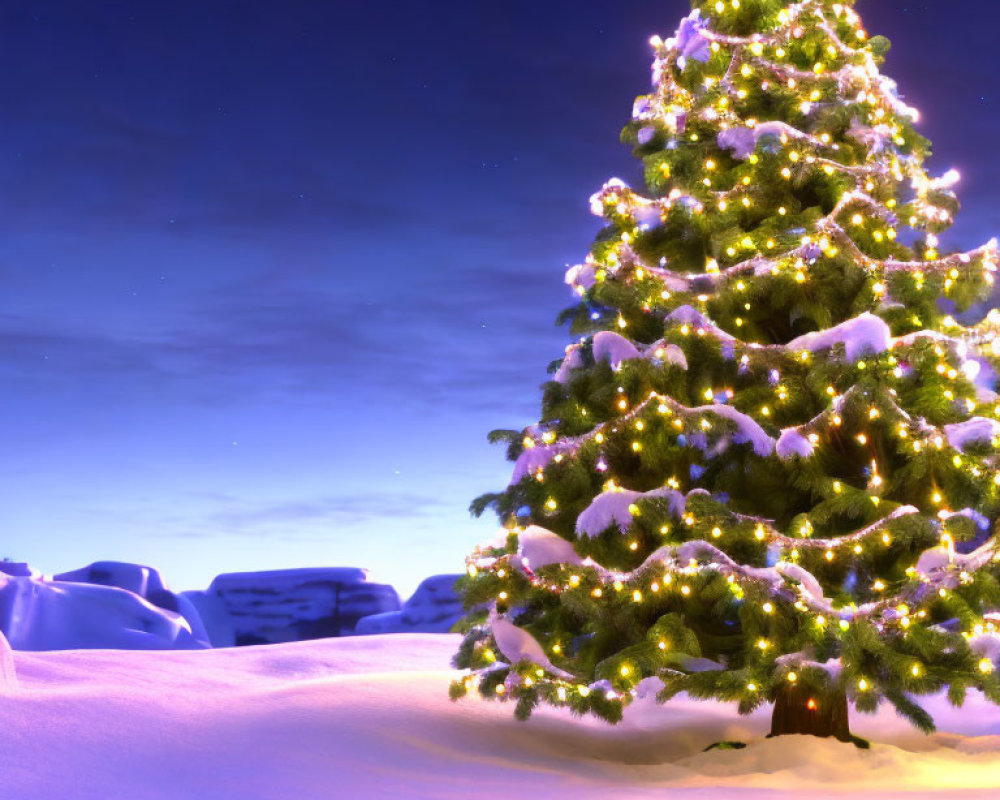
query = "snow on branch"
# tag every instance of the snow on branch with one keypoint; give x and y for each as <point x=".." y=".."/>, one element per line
<point x="743" y="141"/>
<point x="691" y="40"/>
<point x="573" y="360"/>
<point x="613" y="348"/>
<point x="538" y="457"/>
<point x="617" y="506"/>
<point x="987" y="253"/>
<point x="865" y="333"/>
<point x="688" y="315"/>
<point x="793" y="443"/>
<point x="538" y="547"/>
<point x="977" y="430"/>
<point x="618" y="196"/>
<point x="748" y="428"/>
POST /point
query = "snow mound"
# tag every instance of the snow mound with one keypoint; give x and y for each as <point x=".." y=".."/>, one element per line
<point x="8" y="678"/>
<point x="369" y="717"/>
<point x="40" y="615"/>
<point x="433" y="608"/>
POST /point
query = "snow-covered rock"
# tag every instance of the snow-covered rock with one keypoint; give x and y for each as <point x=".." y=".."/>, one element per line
<point x="214" y="616"/>
<point x="140" y="580"/>
<point x="290" y="605"/>
<point x="433" y="608"/>
<point x="135" y="578"/>
<point x="8" y="678"/>
<point x="18" y="569"/>
<point x="43" y="615"/>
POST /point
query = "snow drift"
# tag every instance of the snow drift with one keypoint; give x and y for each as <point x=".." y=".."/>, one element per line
<point x="8" y="678"/>
<point x="369" y="717"/>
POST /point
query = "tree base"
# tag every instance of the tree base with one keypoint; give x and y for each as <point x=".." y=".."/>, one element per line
<point x="800" y="711"/>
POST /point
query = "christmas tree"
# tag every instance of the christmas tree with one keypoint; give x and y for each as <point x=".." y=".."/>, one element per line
<point x="765" y="472"/>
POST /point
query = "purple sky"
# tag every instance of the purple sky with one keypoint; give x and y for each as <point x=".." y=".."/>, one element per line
<point x="270" y="272"/>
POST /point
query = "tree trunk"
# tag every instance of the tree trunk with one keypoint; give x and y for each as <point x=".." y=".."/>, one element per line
<point x="797" y="710"/>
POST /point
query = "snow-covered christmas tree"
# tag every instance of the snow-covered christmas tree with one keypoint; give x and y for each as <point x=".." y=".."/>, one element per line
<point x="765" y="471"/>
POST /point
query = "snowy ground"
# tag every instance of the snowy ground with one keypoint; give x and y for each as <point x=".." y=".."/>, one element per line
<point x="369" y="717"/>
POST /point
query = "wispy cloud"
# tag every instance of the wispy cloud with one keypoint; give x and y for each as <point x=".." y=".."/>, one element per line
<point x="341" y="509"/>
<point x="312" y="519"/>
<point x="264" y="338"/>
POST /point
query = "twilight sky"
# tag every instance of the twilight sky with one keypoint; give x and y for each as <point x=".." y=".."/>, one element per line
<point x="270" y="271"/>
